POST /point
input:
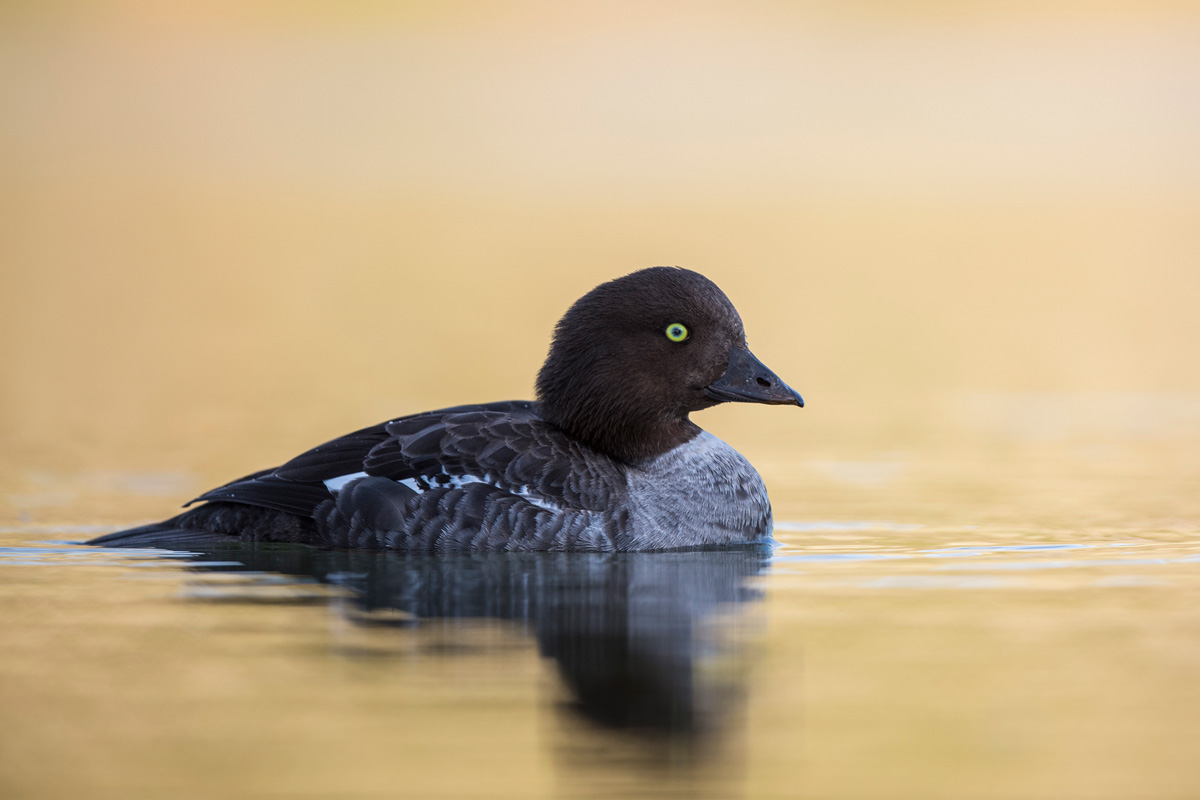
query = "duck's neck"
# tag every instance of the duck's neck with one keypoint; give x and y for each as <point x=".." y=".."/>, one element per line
<point x="621" y="433"/>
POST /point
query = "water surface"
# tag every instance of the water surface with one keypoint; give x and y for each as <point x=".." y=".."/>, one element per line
<point x="860" y="658"/>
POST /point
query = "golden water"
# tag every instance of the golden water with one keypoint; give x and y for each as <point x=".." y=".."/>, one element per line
<point x="1002" y="658"/>
<point x="966" y="233"/>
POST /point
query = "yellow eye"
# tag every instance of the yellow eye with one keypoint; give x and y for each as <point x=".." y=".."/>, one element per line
<point x="677" y="332"/>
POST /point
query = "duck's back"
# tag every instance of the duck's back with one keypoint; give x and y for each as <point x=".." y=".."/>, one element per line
<point x="468" y="478"/>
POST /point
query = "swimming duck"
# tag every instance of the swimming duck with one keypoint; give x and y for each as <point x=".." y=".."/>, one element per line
<point x="606" y="459"/>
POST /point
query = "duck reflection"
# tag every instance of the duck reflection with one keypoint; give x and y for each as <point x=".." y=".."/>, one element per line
<point x="634" y="635"/>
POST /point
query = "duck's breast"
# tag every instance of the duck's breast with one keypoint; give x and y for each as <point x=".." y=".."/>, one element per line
<point x="701" y="493"/>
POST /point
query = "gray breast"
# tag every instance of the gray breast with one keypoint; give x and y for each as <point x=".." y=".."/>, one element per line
<point x="702" y="492"/>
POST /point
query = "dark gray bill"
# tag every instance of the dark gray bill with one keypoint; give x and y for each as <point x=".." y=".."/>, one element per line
<point x="747" y="380"/>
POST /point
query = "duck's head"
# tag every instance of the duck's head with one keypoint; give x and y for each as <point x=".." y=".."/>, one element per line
<point x="634" y="356"/>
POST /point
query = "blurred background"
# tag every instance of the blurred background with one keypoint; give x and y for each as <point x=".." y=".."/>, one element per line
<point x="965" y="231"/>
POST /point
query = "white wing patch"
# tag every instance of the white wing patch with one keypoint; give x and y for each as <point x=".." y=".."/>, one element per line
<point x="533" y="499"/>
<point x="335" y="485"/>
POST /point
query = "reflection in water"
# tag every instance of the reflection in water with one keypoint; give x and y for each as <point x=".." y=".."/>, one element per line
<point x="630" y="633"/>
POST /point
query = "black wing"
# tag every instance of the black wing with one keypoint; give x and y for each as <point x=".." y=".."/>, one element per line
<point x="507" y="444"/>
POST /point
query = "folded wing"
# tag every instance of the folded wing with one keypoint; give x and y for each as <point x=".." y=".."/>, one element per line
<point x="505" y="445"/>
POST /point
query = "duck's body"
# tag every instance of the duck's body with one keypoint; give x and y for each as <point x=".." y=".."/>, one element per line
<point x="489" y="477"/>
<point x="607" y="459"/>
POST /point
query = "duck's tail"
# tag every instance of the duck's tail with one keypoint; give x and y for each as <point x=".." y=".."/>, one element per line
<point x="170" y="534"/>
<point x="215" y="523"/>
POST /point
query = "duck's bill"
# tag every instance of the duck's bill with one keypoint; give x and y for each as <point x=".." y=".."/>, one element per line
<point x="747" y="380"/>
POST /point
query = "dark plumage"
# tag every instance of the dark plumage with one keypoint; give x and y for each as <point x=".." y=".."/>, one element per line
<point x="607" y="459"/>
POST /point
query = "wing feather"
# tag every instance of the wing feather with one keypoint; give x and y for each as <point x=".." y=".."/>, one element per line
<point x="271" y="492"/>
<point x="507" y="444"/>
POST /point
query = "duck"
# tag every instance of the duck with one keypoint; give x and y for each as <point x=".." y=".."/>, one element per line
<point x="606" y="459"/>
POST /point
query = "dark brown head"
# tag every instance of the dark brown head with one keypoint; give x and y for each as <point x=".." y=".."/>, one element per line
<point x="634" y="356"/>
